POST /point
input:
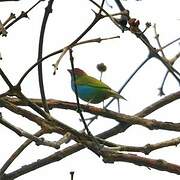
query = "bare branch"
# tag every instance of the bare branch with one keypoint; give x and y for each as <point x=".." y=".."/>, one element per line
<point x="147" y="149"/>
<point x="113" y="156"/>
<point x="148" y="123"/>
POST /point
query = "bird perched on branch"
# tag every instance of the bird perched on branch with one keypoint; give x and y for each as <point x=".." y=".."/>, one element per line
<point x="91" y="89"/>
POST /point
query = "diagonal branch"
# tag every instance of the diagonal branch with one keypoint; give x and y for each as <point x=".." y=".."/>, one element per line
<point x="159" y="164"/>
<point x="21" y="132"/>
<point x="24" y="14"/>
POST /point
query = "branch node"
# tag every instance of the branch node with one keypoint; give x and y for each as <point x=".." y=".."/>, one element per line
<point x="24" y="14"/>
<point x="147" y="149"/>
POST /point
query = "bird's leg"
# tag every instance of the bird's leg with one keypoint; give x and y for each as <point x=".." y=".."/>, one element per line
<point x="118" y="105"/>
<point x="104" y="107"/>
<point x="89" y="102"/>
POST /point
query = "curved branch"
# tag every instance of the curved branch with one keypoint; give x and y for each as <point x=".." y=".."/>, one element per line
<point x="48" y="10"/>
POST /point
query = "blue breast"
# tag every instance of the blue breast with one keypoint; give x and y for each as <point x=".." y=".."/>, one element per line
<point x="86" y="93"/>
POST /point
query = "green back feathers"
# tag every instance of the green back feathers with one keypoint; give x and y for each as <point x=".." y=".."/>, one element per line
<point x="93" y="82"/>
<point x="90" y="81"/>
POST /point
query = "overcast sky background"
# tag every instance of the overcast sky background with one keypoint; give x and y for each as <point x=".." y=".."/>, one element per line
<point x="68" y="20"/>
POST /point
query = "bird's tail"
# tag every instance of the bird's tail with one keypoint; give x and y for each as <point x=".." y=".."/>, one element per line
<point x="118" y="96"/>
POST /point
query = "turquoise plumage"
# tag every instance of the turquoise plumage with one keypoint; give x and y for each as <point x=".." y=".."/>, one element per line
<point x="90" y="89"/>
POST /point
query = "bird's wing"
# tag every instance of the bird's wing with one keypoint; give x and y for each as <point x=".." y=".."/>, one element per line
<point x="91" y="81"/>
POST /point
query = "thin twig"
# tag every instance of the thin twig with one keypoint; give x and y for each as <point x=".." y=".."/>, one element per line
<point x="2" y="29"/>
<point x="76" y="93"/>
<point x="24" y="14"/>
<point x="96" y="40"/>
<point x="171" y="61"/>
<point x="168" y="44"/>
<point x="158" y="41"/>
<point x="47" y="12"/>
<point x="5" y="78"/>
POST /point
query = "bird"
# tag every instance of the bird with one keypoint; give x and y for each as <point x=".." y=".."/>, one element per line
<point x="91" y="89"/>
